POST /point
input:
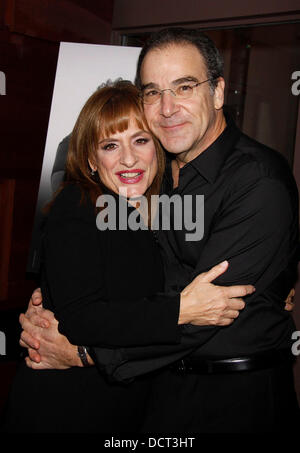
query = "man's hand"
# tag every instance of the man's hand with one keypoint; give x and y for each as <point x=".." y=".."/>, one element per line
<point x="47" y="348"/>
<point x="289" y="301"/>
<point x="35" y="309"/>
<point x="204" y="304"/>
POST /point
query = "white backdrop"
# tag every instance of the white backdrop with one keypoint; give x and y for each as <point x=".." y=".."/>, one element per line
<point x="81" y="68"/>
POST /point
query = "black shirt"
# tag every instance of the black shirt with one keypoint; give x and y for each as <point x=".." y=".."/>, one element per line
<point x="251" y="220"/>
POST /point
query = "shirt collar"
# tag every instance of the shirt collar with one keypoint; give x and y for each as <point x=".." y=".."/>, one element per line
<point x="211" y="160"/>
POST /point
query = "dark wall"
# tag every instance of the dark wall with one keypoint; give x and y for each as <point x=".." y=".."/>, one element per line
<point x="157" y="13"/>
<point x="30" y="32"/>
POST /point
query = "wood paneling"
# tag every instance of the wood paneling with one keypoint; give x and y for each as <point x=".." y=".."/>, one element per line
<point x="30" y="32"/>
<point x="157" y="13"/>
<point x="7" y="192"/>
<point x="61" y="20"/>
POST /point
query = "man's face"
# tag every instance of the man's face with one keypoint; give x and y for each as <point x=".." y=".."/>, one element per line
<point x="185" y="126"/>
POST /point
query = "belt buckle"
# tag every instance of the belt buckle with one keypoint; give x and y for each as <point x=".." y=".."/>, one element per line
<point x="181" y="367"/>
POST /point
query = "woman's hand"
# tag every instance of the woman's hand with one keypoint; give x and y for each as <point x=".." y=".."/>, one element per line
<point x="205" y="304"/>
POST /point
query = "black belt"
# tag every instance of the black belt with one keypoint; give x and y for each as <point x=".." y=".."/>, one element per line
<point x="264" y="360"/>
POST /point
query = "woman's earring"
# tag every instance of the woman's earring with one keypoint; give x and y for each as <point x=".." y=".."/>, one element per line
<point x="93" y="172"/>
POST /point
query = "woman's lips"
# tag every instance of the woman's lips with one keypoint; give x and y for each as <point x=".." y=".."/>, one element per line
<point x="130" y="176"/>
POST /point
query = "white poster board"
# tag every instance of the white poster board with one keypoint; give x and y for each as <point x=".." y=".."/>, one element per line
<point x="81" y="68"/>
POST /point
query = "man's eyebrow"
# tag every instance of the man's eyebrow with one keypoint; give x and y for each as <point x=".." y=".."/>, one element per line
<point x="175" y="82"/>
<point x="185" y="79"/>
<point x="149" y="85"/>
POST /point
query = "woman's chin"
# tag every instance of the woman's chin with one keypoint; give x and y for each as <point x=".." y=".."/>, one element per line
<point x="132" y="192"/>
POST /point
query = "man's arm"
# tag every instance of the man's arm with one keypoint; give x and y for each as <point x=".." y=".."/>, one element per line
<point x="257" y="231"/>
<point x="47" y="346"/>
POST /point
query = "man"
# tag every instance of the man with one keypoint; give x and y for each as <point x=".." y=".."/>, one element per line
<point x="228" y="379"/>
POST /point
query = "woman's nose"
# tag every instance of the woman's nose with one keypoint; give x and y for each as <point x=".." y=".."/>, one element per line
<point x="128" y="157"/>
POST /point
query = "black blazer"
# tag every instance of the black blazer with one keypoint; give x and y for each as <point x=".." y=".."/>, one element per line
<point x="105" y="287"/>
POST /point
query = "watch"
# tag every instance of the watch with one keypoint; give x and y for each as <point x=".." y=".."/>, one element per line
<point x="82" y="354"/>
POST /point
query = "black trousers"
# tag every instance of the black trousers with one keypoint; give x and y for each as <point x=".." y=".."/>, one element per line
<point x="77" y="400"/>
<point x="239" y="402"/>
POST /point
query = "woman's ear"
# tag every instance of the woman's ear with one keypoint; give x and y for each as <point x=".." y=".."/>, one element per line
<point x="92" y="165"/>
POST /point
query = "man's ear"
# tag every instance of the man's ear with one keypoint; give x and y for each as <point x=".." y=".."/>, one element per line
<point x="219" y="94"/>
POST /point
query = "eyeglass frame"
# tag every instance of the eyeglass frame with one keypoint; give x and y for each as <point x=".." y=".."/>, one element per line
<point x="173" y="92"/>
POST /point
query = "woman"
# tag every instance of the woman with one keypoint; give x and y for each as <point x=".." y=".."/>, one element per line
<point x="111" y="151"/>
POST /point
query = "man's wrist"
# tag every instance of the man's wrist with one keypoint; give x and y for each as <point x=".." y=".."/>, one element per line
<point x="184" y="317"/>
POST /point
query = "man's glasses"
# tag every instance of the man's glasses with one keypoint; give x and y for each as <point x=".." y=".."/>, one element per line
<point x="183" y="91"/>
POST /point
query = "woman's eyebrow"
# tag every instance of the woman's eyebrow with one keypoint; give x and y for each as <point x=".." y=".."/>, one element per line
<point x="141" y="131"/>
<point x="112" y="139"/>
<point x="108" y="139"/>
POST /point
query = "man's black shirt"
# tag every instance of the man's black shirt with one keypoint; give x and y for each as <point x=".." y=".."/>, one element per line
<point x="251" y="220"/>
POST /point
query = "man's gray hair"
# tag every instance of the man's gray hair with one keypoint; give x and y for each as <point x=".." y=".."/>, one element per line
<point x="206" y="47"/>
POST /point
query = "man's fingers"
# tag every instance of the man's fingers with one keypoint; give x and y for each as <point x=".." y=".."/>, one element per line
<point x="23" y="344"/>
<point x="289" y="306"/>
<point x="29" y="340"/>
<point x="231" y="314"/>
<point x="35" y="319"/>
<point x="47" y="315"/>
<point x="291" y="295"/>
<point x="225" y="322"/>
<point x="235" y="304"/>
<point x="289" y="301"/>
<point x="36" y="297"/>
<point x="34" y="355"/>
<point x="21" y="319"/>
<point x="35" y="366"/>
<point x="30" y="328"/>
<point x="239" y="290"/>
<point x="213" y="273"/>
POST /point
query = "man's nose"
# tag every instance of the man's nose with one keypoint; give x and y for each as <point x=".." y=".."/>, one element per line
<point x="168" y="104"/>
<point x="128" y="156"/>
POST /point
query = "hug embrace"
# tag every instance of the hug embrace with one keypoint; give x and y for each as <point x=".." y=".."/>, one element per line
<point x="147" y="329"/>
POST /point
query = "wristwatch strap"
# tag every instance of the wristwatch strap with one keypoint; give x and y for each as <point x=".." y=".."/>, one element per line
<point x="82" y="353"/>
